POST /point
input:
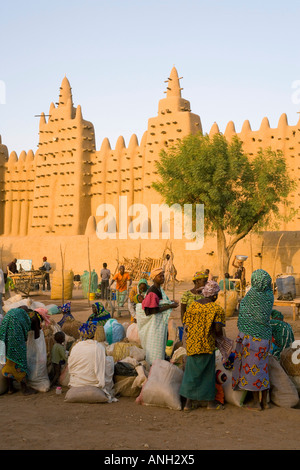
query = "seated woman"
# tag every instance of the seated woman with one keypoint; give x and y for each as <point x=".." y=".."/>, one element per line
<point x="99" y="315"/>
<point x="282" y="334"/>
<point x="14" y="331"/>
<point x="89" y="365"/>
<point x="152" y="317"/>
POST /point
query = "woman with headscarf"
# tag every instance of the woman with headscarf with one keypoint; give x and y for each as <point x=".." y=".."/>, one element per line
<point x="44" y="314"/>
<point x="250" y="370"/>
<point x="88" y="364"/>
<point x="200" y="278"/>
<point x="99" y="314"/>
<point x="140" y="289"/>
<point x="204" y="321"/>
<point x="152" y="317"/>
<point x="14" y="331"/>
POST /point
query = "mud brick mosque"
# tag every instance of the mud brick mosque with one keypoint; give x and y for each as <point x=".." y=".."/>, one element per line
<point x="49" y="198"/>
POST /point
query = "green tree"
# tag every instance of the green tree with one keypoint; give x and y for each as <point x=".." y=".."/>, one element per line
<point x="239" y="193"/>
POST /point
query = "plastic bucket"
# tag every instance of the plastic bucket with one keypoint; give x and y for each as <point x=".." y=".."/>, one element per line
<point x="92" y="296"/>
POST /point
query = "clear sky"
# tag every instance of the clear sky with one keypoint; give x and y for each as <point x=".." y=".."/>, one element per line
<point x="239" y="60"/>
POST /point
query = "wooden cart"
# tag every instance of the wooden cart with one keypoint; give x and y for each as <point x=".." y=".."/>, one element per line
<point x="26" y="281"/>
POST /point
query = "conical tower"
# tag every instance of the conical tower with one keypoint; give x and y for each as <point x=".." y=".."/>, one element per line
<point x="173" y="122"/>
<point x="61" y="199"/>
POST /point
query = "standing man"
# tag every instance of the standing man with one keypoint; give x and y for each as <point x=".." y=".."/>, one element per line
<point x="12" y="267"/>
<point x="122" y="279"/>
<point x="240" y="274"/>
<point x="46" y="267"/>
<point x="169" y="270"/>
<point x="105" y="276"/>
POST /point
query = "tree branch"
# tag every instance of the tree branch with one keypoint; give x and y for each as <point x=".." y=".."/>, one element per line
<point x="242" y="234"/>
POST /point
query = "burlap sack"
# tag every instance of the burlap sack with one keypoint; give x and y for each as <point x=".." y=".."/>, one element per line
<point x="100" y="334"/>
<point x="122" y="349"/>
<point x="283" y="392"/>
<point x="86" y="394"/>
<point x="71" y="327"/>
<point x="123" y="386"/>
<point x="289" y="362"/>
<point x="56" y="285"/>
<point x="231" y="301"/>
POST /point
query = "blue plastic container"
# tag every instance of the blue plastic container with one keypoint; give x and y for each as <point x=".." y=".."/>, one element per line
<point x="180" y="332"/>
<point x="286" y="284"/>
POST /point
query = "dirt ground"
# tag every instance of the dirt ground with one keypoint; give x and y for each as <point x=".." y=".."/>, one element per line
<point x="45" y="422"/>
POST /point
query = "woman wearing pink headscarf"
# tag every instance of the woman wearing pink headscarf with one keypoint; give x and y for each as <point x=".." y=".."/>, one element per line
<point x="43" y="312"/>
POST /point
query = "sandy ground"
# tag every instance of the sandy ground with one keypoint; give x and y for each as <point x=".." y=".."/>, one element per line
<point x="45" y="422"/>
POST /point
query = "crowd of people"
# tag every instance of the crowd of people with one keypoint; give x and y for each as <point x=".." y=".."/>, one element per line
<point x="261" y="331"/>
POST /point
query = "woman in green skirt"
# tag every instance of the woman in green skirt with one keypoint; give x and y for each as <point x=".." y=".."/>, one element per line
<point x="204" y="321"/>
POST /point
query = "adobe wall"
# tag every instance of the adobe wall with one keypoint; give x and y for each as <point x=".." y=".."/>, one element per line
<point x="261" y="250"/>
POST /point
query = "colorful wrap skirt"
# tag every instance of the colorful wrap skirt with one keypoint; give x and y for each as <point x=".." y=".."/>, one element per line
<point x="199" y="379"/>
<point x="250" y="368"/>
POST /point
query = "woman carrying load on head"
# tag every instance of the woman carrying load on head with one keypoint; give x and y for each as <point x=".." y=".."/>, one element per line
<point x="14" y="331"/>
<point x="204" y="321"/>
<point x="250" y="370"/>
<point x="152" y="317"/>
<point x="140" y="289"/>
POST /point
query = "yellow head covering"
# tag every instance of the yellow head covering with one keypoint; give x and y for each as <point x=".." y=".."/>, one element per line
<point x="200" y="275"/>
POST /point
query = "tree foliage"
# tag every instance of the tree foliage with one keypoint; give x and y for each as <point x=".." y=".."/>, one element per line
<point x="239" y="193"/>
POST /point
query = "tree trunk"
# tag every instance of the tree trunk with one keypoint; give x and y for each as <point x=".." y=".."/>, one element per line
<point x="223" y="254"/>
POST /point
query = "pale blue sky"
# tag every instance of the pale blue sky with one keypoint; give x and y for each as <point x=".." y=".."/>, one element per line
<point x="238" y="60"/>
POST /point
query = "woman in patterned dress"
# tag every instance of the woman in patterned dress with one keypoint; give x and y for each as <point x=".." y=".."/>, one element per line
<point x="200" y="278"/>
<point x="250" y="370"/>
<point x="204" y="321"/>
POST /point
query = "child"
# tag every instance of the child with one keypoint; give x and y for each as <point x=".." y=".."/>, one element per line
<point x="58" y="356"/>
<point x="221" y="378"/>
<point x="138" y="299"/>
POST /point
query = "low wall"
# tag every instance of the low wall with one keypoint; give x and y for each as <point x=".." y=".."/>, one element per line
<point x="260" y="248"/>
